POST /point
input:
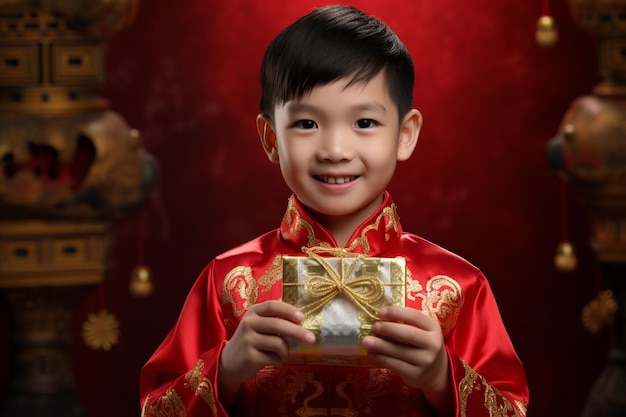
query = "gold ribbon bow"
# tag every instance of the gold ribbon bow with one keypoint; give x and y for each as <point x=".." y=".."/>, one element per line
<point x="363" y="291"/>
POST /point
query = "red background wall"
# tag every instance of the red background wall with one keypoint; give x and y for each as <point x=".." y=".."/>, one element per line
<point x="185" y="75"/>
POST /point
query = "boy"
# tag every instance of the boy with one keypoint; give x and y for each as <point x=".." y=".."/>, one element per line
<point x="336" y="116"/>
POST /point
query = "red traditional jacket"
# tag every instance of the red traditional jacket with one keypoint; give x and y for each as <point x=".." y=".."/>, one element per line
<point x="180" y="379"/>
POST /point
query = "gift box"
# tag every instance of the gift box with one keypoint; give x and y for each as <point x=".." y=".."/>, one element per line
<point x="340" y="297"/>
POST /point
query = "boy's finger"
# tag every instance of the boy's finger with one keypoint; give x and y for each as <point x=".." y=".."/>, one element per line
<point x="276" y="308"/>
<point x="408" y="316"/>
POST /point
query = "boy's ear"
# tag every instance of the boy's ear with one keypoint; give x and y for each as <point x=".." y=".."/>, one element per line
<point x="267" y="136"/>
<point x="409" y="133"/>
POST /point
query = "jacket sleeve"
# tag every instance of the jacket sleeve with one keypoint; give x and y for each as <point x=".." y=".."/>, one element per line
<point x="487" y="374"/>
<point x="180" y="379"/>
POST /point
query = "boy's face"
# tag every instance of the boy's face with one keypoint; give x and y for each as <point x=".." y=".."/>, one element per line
<point x="338" y="146"/>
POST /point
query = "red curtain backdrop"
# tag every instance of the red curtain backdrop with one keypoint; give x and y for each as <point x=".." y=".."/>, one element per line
<point x="185" y="75"/>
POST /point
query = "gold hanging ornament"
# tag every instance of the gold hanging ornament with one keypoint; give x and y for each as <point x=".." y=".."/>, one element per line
<point x="140" y="283"/>
<point x="565" y="259"/>
<point x="546" y="34"/>
<point x="101" y="330"/>
<point x="600" y="312"/>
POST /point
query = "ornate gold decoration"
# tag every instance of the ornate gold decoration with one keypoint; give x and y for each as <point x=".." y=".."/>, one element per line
<point x="63" y="153"/>
<point x="273" y="275"/>
<point x="239" y="281"/>
<point x="389" y="215"/>
<point x="284" y="385"/>
<point x="413" y="286"/>
<point x="295" y="223"/>
<point x="443" y="301"/>
<point x="358" y="392"/>
<point x="170" y="404"/>
<point x="497" y="404"/>
<point x="600" y="312"/>
<point x="101" y="330"/>
<point x="201" y="386"/>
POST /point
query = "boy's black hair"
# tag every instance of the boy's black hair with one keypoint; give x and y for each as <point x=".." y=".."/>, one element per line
<point x="330" y="43"/>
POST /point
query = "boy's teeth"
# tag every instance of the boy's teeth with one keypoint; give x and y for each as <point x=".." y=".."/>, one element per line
<point x="336" y="180"/>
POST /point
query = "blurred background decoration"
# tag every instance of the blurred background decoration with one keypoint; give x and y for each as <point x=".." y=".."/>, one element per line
<point x="589" y="153"/>
<point x="69" y="166"/>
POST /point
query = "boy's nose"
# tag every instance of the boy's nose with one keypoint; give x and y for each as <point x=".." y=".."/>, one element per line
<point x="336" y="146"/>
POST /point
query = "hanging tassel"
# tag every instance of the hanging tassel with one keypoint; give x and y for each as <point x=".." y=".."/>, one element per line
<point x="565" y="259"/>
<point x="546" y="34"/>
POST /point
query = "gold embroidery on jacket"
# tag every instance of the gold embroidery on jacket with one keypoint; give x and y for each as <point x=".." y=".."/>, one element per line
<point x="494" y="401"/>
<point x="388" y="213"/>
<point x="167" y="405"/>
<point x="200" y="385"/>
<point x="284" y="387"/>
<point x="273" y="275"/>
<point x="239" y="281"/>
<point x="521" y="406"/>
<point x="143" y="407"/>
<point x="367" y="391"/>
<point x="295" y="223"/>
<point x="241" y="289"/>
<point x="287" y="388"/>
<point x="444" y="299"/>
<point x="413" y="286"/>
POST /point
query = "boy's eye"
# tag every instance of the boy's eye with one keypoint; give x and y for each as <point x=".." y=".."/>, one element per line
<point x="365" y="123"/>
<point x="306" y="124"/>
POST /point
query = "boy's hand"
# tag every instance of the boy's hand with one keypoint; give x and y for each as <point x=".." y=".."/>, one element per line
<point x="257" y="342"/>
<point x="411" y="344"/>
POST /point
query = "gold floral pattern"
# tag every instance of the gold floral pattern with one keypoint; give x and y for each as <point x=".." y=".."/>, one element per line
<point x="101" y="330"/>
<point x="497" y="404"/>
<point x="167" y="405"/>
<point x="201" y="386"/>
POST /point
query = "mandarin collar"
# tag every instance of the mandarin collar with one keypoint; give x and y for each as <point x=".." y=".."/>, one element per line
<point x="373" y="237"/>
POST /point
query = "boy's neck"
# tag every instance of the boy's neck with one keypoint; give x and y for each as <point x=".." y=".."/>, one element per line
<point x="343" y="227"/>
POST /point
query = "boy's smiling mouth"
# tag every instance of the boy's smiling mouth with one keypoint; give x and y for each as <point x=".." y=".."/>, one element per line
<point x="336" y="180"/>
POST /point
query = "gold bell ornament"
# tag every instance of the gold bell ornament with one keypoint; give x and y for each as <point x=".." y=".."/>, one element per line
<point x="546" y="34"/>
<point x="141" y="282"/>
<point x="565" y="259"/>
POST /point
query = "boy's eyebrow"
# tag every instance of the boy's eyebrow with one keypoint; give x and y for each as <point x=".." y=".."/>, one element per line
<point x="297" y="107"/>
